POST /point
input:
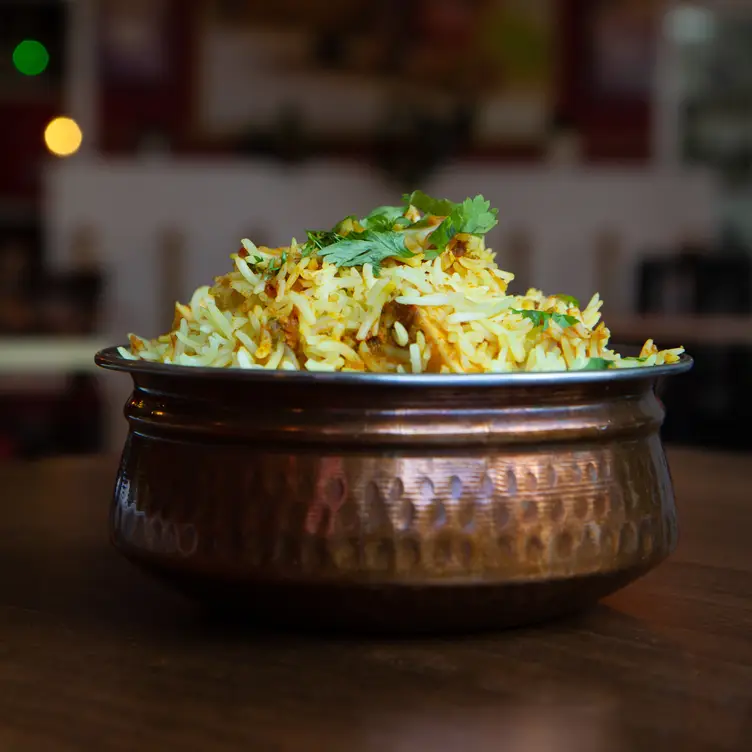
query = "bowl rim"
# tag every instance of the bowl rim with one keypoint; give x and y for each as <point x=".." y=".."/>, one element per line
<point x="110" y="359"/>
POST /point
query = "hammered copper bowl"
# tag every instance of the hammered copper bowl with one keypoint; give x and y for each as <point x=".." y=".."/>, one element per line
<point x="398" y="502"/>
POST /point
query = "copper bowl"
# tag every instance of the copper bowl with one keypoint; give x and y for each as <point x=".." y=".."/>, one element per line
<point x="399" y="502"/>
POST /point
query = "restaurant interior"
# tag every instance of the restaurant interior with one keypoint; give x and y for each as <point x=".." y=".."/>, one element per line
<point x="545" y="577"/>
<point x="141" y="139"/>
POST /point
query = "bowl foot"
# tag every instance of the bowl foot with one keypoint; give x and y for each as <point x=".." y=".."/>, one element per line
<point x="393" y="610"/>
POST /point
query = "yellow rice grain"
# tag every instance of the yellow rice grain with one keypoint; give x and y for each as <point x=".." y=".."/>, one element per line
<point x="292" y="312"/>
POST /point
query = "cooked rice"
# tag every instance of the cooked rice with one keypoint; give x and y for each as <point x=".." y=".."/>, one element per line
<point x="451" y="314"/>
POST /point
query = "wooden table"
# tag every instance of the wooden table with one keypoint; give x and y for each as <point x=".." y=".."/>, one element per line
<point x="95" y="657"/>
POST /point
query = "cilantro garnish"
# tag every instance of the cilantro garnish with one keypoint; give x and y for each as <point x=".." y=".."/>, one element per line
<point x="384" y="218"/>
<point x="439" y="207"/>
<point x="544" y="318"/>
<point x="254" y="261"/>
<point x="376" y="237"/>
<point x="473" y="216"/>
<point x="598" y="364"/>
<point x="318" y="239"/>
<point x="568" y="299"/>
<point x="346" y="225"/>
<point x="369" y="247"/>
<point x="276" y="265"/>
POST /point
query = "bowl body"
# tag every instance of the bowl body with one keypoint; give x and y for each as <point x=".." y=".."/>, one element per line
<point x="405" y="503"/>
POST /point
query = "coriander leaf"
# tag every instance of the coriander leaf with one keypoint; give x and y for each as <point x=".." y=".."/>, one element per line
<point x="384" y="218"/>
<point x="568" y="299"/>
<point x="597" y="364"/>
<point x="421" y="223"/>
<point x="346" y="225"/>
<point x="253" y="263"/>
<point x="563" y="320"/>
<point x="473" y="216"/>
<point x="537" y="317"/>
<point x="544" y="318"/>
<point x="276" y="265"/>
<point x="441" y="237"/>
<point x="367" y="247"/>
<point x="439" y="207"/>
<point x="318" y="239"/>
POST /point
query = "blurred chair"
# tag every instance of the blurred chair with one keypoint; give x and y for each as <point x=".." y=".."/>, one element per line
<point x="78" y="417"/>
<point x="170" y="263"/>
<point x="53" y="420"/>
<point x="607" y="264"/>
<point x="724" y="285"/>
<point x="18" y="314"/>
<point x="667" y="285"/>
<point x="706" y="406"/>
<point x="74" y="298"/>
<point x="517" y="256"/>
<point x="78" y="296"/>
<point x="695" y="281"/>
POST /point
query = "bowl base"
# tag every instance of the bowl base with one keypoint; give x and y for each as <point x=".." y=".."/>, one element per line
<point x="393" y="610"/>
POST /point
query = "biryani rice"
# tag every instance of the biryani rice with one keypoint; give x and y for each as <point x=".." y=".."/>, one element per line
<point x="451" y="314"/>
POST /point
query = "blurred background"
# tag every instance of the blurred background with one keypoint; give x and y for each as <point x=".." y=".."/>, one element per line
<point x="141" y="139"/>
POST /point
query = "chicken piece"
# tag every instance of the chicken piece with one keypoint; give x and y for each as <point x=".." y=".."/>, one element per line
<point x="443" y="353"/>
<point x="414" y="319"/>
<point x="392" y="313"/>
<point x="457" y="246"/>
<point x="181" y="312"/>
<point x="290" y="330"/>
<point x="373" y="357"/>
<point x="286" y="328"/>
<point x="136" y="344"/>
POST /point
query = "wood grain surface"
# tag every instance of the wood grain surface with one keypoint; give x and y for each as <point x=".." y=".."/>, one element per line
<point x="94" y="656"/>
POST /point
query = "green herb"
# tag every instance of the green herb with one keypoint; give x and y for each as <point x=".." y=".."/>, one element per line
<point x="369" y="247"/>
<point x="568" y="299"/>
<point x="598" y="364"/>
<point x="276" y="265"/>
<point x="639" y="360"/>
<point x="422" y="223"/>
<point x="318" y="239"/>
<point x="473" y="217"/>
<point x="349" y="245"/>
<point x="254" y="261"/>
<point x="563" y="320"/>
<point x="439" y="207"/>
<point x="384" y="218"/>
<point x="544" y="318"/>
<point x="346" y="225"/>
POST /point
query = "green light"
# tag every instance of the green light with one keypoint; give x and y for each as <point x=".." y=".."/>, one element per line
<point x="31" y="57"/>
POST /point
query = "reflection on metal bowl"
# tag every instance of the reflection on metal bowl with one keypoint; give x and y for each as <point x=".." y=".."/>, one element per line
<point x="394" y="502"/>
